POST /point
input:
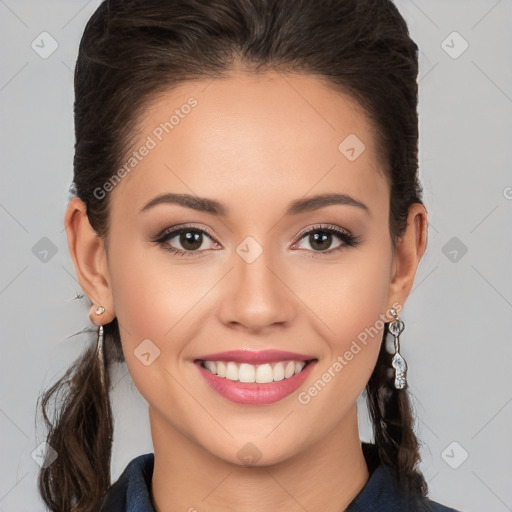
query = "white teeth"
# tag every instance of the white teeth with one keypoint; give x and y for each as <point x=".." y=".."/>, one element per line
<point x="221" y="368"/>
<point x="289" y="371"/>
<point x="232" y="371"/>
<point x="279" y="371"/>
<point x="246" y="373"/>
<point x="262" y="374"/>
<point x="210" y="365"/>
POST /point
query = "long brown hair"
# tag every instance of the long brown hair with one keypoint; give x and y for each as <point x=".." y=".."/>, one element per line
<point x="133" y="49"/>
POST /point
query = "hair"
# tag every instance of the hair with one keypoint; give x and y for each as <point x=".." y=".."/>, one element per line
<point x="133" y="50"/>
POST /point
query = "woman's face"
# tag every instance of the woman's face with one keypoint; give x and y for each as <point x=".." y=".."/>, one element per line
<point x="257" y="276"/>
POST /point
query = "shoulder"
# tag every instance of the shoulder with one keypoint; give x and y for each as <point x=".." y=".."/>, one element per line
<point x="131" y="491"/>
<point x="428" y="505"/>
<point x="437" y="507"/>
<point x="382" y="492"/>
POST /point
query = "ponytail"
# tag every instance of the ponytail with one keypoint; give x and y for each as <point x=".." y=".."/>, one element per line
<point x="392" y="420"/>
<point x="81" y="435"/>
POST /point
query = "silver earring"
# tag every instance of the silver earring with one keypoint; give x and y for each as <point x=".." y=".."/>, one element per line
<point x="398" y="362"/>
<point x="99" y="347"/>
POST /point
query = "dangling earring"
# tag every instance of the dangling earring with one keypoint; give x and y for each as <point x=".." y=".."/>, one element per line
<point x="99" y="347"/>
<point x="398" y="362"/>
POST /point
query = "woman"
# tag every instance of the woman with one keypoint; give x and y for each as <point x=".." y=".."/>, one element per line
<point x="247" y="223"/>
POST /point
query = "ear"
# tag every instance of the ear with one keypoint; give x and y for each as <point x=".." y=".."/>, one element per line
<point x="89" y="257"/>
<point x="408" y="253"/>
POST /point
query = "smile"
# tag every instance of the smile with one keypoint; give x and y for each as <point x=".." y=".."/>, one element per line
<point x="249" y="384"/>
<point x="262" y="374"/>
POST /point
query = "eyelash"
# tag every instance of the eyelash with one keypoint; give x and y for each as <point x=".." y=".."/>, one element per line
<point x="348" y="239"/>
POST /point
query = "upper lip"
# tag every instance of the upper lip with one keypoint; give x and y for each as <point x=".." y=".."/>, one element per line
<point x="255" y="356"/>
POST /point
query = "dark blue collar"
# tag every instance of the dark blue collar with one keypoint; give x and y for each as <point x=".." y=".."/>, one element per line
<point x="131" y="492"/>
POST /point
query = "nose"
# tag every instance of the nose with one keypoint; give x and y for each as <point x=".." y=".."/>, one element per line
<point x="257" y="297"/>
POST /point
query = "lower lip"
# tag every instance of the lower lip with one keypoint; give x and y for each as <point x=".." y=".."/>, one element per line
<point x="253" y="393"/>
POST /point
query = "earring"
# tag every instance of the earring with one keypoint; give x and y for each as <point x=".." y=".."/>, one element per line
<point x="398" y="362"/>
<point x="99" y="347"/>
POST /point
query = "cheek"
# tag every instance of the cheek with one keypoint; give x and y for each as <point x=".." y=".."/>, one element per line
<point x="154" y="299"/>
<point x="352" y="301"/>
<point x="363" y="298"/>
<point x="350" y="296"/>
<point x="149" y="302"/>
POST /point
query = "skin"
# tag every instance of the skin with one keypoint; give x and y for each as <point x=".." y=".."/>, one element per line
<point x="255" y="144"/>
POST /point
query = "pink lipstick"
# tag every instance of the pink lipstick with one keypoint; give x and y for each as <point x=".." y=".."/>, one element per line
<point x="255" y="377"/>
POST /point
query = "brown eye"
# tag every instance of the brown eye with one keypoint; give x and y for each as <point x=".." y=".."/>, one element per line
<point x="190" y="240"/>
<point x="320" y="239"/>
<point x="185" y="241"/>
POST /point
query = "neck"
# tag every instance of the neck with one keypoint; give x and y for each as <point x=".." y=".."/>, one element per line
<point x="324" y="477"/>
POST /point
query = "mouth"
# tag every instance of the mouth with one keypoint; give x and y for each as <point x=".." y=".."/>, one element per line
<point x="255" y="384"/>
<point x="255" y="373"/>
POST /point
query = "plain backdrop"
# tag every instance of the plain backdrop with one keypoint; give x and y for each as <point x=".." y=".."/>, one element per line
<point x="458" y="317"/>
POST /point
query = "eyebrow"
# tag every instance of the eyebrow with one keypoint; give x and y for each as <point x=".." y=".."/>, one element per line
<point x="296" y="207"/>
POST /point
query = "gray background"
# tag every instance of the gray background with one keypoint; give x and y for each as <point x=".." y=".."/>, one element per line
<point x="458" y="317"/>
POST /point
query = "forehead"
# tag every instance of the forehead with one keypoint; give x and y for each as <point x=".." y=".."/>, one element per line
<point x="249" y="136"/>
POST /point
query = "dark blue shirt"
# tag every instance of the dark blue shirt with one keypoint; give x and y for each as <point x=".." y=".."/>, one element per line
<point x="130" y="493"/>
